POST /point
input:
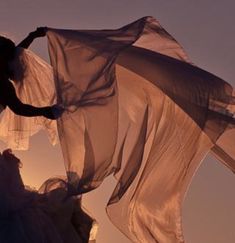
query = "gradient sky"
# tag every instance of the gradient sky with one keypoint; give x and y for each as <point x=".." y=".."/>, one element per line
<point x="205" y="28"/>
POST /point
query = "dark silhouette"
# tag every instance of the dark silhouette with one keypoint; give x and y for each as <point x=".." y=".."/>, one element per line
<point x="8" y="95"/>
<point x="51" y="215"/>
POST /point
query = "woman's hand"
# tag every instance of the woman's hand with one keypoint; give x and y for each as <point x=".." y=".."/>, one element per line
<point x="57" y="111"/>
<point x="53" y="112"/>
<point x="39" y="32"/>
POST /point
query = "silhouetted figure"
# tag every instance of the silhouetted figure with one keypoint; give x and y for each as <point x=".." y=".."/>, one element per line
<point x="51" y="216"/>
<point x="8" y="95"/>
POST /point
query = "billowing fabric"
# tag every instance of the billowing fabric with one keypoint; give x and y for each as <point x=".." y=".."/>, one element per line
<point x="137" y="108"/>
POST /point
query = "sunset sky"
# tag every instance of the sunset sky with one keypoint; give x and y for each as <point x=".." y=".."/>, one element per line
<point x="206" y="30"/>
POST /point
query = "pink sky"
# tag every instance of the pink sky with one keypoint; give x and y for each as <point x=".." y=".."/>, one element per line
<point x="205" y="29"/>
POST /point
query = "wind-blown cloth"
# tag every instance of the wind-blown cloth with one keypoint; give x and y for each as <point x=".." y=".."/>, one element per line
<point x="137" y="108"/>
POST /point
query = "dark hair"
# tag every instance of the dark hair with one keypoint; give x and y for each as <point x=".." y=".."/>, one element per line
<point x="7" y="48"/>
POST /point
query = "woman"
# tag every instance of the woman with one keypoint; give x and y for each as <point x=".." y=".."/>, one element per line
<point x="8" y="97"/>
<point x="27" y="216"/>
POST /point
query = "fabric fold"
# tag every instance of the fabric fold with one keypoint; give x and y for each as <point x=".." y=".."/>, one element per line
<point x="137" y="108"/>
<point x="163" y="117"/>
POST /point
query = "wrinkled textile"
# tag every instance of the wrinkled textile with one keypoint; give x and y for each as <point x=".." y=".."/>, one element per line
<point x="137" y="108"/>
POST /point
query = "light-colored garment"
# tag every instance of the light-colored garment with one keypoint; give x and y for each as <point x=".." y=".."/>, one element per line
<point x="34" y="85"/>
<point x="139" y="109"/>
<point x="136" y="107"/>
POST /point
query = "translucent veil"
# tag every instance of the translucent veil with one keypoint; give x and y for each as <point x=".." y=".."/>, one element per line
<point x="34" y="84"/>
<point x="147" y="115"/>
<point x="138" y="109"/>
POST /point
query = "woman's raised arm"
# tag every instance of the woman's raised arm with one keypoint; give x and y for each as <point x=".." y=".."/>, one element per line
<point x="39" y="32"/>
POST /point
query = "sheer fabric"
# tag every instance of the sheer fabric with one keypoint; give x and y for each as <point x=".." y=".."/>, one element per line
<point x="137" y="108"/>
<point x="33" y="81"/>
